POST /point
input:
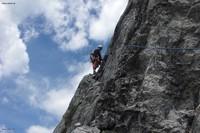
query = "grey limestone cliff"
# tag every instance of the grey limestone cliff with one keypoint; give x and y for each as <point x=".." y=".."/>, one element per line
<point x="145" y="89"/>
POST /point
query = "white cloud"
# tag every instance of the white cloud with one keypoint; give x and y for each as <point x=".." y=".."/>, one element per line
<point x="78" y="41"/>
<point x="82" y="69"/>
<point x="68" y="19"/>
<point x="73" y="22"/>
<point x="13" y="56"/>
<point x="29" y="87"/>
<point x="86" y="24"/>
<point x="58" y="14"/>
<point x="103" y="27"/>
<point x="56" y="101"/>
<point x="39" y="129"/>
<point x="53" y="100"/>
<point x="29" y="34"/>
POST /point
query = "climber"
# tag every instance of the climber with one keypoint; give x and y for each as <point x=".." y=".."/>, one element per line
<point x="96" y="58"/>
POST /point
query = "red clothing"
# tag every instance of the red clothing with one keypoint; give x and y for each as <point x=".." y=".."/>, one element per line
<point x="96" y="63"/>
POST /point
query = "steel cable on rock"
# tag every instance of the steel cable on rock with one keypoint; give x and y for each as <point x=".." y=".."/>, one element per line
<point x="163" y="48"/>
<point x="168" y="49"/>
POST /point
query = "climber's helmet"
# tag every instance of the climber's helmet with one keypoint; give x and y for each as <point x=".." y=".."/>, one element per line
<point x="100" y="47"/>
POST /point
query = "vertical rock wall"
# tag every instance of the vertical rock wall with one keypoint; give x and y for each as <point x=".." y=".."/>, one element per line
<point x="140" y="89"/>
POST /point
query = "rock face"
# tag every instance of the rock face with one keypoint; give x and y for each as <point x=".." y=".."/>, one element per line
<point x="143" y="89"/>
<point x="86" y="129"/>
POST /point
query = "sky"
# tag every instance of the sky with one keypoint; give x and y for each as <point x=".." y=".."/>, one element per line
<point x="44" y="54"/>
